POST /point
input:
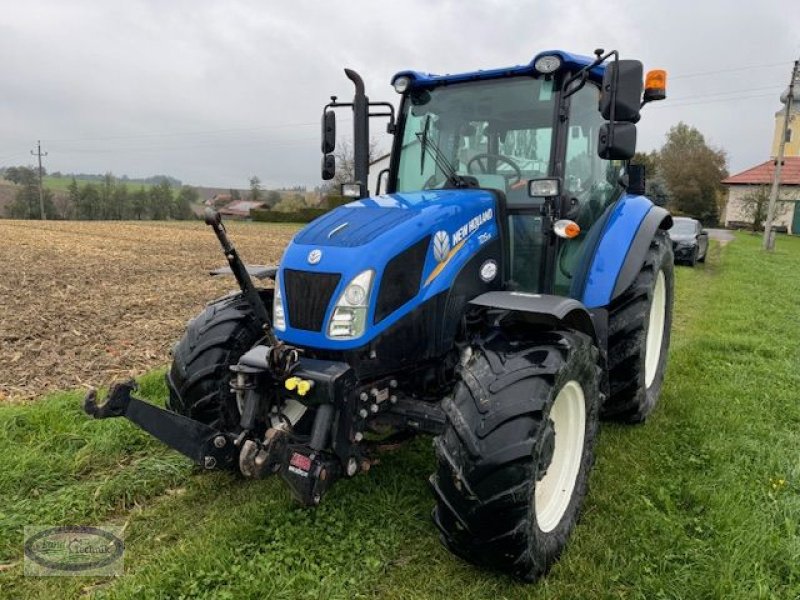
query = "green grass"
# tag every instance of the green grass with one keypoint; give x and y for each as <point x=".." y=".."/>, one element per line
<point x="690" y="505"/>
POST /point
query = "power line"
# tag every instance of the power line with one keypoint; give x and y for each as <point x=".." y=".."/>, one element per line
<point x="773" y="88"/>
<point x="731" y="70"/>
<point x="190" y="133"/>
<point x="712" y="101"/>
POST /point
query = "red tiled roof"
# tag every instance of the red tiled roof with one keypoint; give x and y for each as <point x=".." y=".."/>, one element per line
<point x="240" y="208"/>
<point x="762" y="174"/>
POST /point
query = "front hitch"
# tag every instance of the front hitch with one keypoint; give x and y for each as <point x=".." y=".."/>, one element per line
<point x="205" y="445"/>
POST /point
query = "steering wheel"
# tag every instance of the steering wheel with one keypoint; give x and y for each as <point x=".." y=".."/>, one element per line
<point x="481" y="160"/>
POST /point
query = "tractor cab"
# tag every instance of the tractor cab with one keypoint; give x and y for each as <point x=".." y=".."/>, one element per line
<point x="501" y="134"/>
<point x="541" y="137"/>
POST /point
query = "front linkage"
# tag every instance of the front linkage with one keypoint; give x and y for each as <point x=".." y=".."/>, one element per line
<point x="275" y="385"/>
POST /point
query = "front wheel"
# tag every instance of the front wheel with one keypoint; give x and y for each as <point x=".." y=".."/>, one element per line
<point x="199" y="379"/>
<point x="515" y="456"/>
<point x="639" y="324"/>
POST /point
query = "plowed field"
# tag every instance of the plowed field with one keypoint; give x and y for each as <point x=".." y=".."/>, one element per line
<point x="84" y="303"/>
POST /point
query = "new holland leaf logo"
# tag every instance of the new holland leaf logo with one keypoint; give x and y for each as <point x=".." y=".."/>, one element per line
<point x="441" y="245"/>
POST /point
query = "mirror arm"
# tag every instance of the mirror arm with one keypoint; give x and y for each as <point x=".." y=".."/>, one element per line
<point x="583" y="74"/>
<point x="390" y="127"/>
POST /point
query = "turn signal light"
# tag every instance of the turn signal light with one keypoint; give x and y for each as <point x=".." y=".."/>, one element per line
<point x="566" y="229"/>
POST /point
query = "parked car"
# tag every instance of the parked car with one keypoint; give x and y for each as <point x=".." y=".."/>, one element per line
<point x="689" y="241"/>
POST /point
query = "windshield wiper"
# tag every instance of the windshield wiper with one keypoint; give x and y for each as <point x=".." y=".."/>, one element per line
<point x="451" y="176"/>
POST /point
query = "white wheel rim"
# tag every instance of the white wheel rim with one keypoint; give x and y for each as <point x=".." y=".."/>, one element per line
<point x="655" y="330"/>
<point x="554" y="491"/>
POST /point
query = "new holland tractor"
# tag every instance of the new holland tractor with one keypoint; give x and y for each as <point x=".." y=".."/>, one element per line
<point x="512" y="286"/>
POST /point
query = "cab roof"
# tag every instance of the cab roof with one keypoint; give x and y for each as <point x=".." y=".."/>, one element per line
<point x="568" y="61"/>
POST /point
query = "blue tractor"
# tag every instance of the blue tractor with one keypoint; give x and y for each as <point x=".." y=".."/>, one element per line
<point x="510" y="288"/>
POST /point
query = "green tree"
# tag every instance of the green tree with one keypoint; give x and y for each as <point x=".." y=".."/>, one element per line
<point x="15" y="174"/>
<point x="182" y="207"/>
<point x="273" y="197"/>
<point x="74" y="194"/>
<point x="160" y="201"/>
<point x="140" y="204"/>
<point x="255" y="189"/>
<point x="26" y="203"/>
<point x="121" y="201"/>
<point x="107" y="208"/>
<point x="692" y="172"/>
<point x="89" y="205"/>
<point x="235" y="195"/>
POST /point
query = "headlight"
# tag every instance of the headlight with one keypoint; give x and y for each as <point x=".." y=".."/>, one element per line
<point x="349" y="318"/>
<point x="547" y="64"/>
<point x="401" y="84"/>
<point x="278" y="314"/>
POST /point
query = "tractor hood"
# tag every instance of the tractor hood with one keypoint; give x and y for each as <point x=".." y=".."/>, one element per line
<point x="427" y="237"/>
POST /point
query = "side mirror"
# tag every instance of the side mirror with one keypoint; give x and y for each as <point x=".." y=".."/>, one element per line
<point x="622" y="89"/>
<point x="617" y="141"/>
<point x="328" y="167"/>
<point x="328" y="131"/>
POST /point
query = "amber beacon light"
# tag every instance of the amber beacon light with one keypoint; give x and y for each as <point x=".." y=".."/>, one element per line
<point x="655" y="85"/>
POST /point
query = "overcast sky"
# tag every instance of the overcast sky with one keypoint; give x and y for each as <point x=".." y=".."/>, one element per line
<point x="214" y="92"/>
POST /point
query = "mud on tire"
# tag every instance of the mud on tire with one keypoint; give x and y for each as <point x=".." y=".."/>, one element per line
<point x="632" y="397"/>
<point x="214" y="340"/>
<point x="496" y="445"/>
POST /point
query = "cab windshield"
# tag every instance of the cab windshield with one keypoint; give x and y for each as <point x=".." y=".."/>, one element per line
<point x="498" y="131"/>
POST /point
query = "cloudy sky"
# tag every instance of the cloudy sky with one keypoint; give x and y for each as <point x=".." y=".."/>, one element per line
<point x="214" y="92"/>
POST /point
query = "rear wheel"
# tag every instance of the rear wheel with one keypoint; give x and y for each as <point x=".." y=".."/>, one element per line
<point x="515" y="456"/>
<point x="639" y="326"/>
<point x="199" y="380"/>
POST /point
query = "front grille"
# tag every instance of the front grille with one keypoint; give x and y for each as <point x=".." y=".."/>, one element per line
<point x="308" y="295"/>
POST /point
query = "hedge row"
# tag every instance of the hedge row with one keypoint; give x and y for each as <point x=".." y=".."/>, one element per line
<point x="304" y="215"/>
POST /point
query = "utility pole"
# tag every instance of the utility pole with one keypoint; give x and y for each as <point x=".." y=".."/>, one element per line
<point x="41" y="193"/>
<point x="769" y="234"/>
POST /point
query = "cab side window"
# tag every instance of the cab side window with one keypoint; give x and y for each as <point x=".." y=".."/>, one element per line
<point x="590" y="182"/>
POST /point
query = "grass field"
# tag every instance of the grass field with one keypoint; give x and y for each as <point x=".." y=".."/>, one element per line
<point x="701" y="502"/>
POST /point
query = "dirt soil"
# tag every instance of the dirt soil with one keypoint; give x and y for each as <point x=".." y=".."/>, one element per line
<point x="86" y="303"/>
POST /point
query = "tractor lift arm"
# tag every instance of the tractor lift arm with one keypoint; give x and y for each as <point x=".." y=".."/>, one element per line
<point x="240" y="272"/>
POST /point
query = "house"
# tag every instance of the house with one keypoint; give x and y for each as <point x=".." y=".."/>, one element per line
<point x="787" y="218"/>
<point x="218" y="200"/>
<point x="740" y="185"/>
<point x="240" y="209"/>
<point x="375" y="168"/>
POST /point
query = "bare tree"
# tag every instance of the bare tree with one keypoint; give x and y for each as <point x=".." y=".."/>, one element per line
<point x="345" y="164"/>
<point x="754" y="207"/>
